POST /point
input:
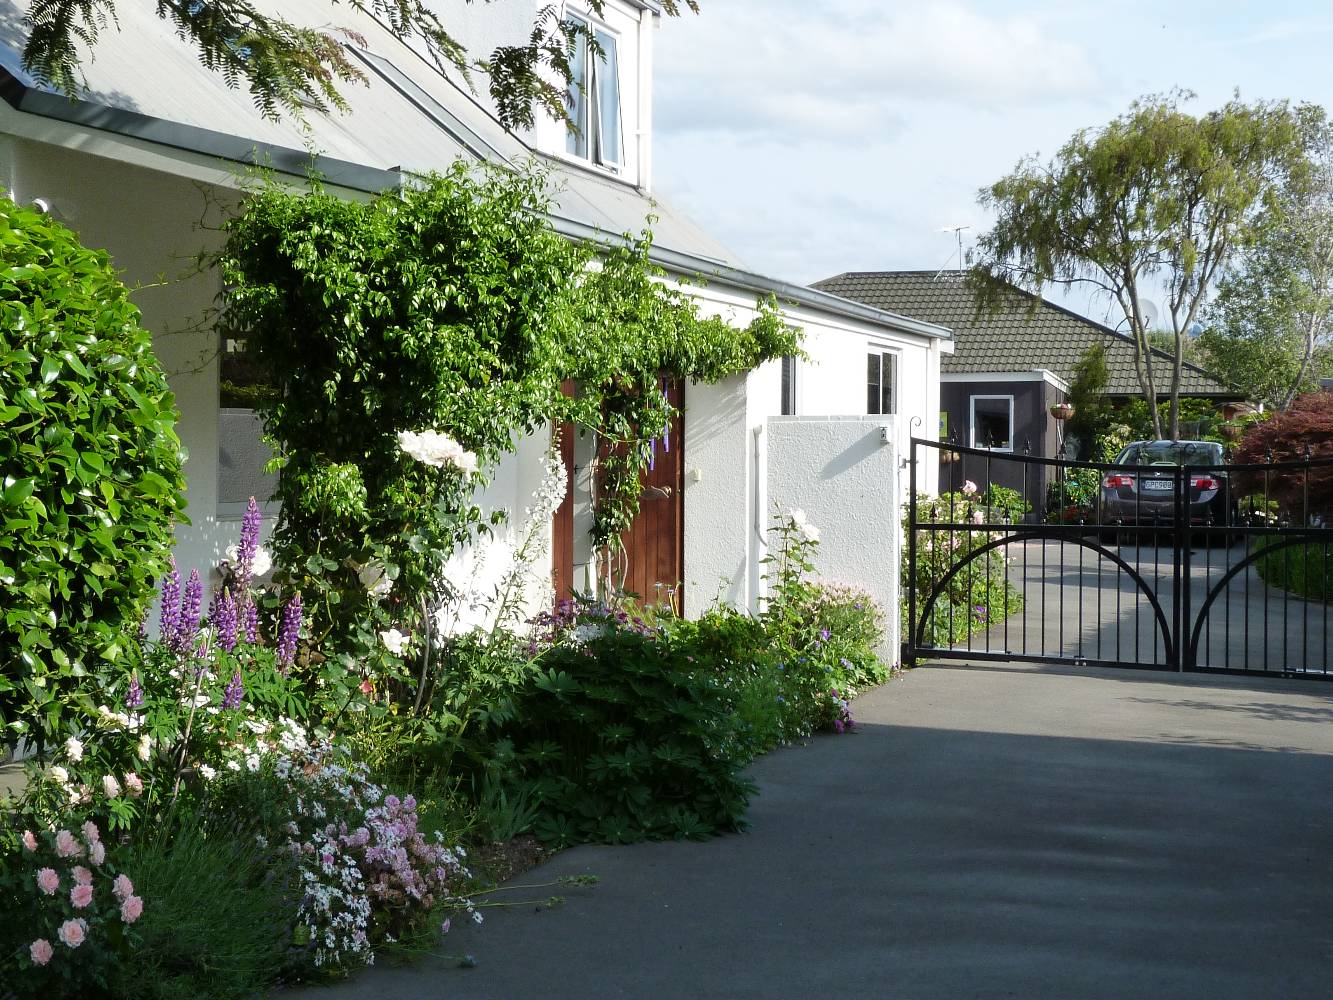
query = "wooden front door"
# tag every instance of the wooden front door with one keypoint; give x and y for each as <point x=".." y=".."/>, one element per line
<point x="655" y="542"/>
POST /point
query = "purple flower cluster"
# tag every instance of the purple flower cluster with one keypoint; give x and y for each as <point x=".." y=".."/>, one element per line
<point x="249" y="544"/>
<point x="234" y="693"/>
<point x="192" y="605"/>
<point x="290" y="631"/>
<point x="250" y="621"/>
<point x="222" y="616"/>
<point x="572" y="614"/>
<point x="134" y="696"/>
<point x="179" y="620"/>
<point x="170" y="619"/>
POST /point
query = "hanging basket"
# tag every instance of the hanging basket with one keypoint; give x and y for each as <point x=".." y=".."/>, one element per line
<point x="1062" y="411"/>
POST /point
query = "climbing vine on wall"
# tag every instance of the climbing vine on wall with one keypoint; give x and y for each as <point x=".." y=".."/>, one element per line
<point x="450" y="306"/>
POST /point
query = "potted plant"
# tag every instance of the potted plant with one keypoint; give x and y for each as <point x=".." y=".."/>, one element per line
<point x="1062" y="411"/>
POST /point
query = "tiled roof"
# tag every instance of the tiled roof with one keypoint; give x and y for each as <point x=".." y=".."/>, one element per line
<point x="1015" y="337"/>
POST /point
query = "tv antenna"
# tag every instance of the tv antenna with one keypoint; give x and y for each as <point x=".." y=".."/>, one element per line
<point x="958" y="235"/>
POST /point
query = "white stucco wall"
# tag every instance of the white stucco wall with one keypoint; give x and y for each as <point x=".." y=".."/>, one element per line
<point x="842" y="472"/>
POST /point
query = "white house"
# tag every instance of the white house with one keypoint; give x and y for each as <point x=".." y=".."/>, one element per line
<point x="145" y="164"/>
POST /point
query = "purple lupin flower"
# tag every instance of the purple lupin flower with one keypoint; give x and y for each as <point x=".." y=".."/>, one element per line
<point x="170" y="620"/>
<point x="235" y="691"/>
<point x="250" y="621"/>
<point x="187" y="628"/>
<point x="134" y="696"/>
<point x="249" y="544"/>
<point x="222" y="616"/>
<point x="291" y="630"/>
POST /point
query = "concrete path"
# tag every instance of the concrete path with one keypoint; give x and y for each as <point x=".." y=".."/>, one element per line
<point x="986" y="833"/>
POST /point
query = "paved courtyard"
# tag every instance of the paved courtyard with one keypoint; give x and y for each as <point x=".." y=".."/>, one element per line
<point x="986" y="832"/>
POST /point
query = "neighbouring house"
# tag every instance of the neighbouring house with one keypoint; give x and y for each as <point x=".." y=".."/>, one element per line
<point x="146" y="162"/>
<point x="1010" y="365"/>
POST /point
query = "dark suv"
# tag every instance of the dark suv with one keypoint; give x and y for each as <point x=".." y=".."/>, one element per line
<point x="1146" y="495"/>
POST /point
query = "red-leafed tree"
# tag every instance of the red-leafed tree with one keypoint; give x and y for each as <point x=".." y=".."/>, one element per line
<point x="1305" y="430"/>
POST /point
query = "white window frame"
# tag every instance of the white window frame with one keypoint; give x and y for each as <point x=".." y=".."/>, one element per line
<point x="972" y="421"/>
<point x="592" y="135"/>
<point x="881" y="350"/>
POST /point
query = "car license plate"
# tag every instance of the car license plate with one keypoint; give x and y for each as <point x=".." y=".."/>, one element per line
<point x="1158" y="485"/>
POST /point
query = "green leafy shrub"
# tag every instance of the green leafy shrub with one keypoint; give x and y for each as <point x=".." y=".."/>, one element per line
<point x="1305" y="570"/>
<point x="978" y="596"/>
<point x="219" y="923"/>
<point x="619" y="738"/>
<point x="90" y="473"/>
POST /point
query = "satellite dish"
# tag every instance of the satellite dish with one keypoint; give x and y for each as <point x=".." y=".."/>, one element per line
<point x="1150" y="313"/>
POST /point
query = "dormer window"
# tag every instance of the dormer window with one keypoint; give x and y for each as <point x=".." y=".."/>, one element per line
<point x="593" y="98"/>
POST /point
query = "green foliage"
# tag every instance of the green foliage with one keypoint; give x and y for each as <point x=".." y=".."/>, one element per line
<point x="1008" y="504"/>
<point x="1156" y="198"/>
<point x="287" y="66"/>
<point x="90" y="473"/>
<point x="978" y="596"/>
<point x="1305" y="570"/>
<point x="452" y="307"/>
<point x="218" y="922"/>
<point x="1199" y="420"/>
<point x="1093" y="413"/>
<point x="618" y="739"/>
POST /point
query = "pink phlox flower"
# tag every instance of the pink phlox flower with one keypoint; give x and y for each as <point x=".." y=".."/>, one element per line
<point x="40" y="951"/>
<point x="67" y="846"/>
<point x="73" y="932"/>
<point x="48" y="881"/>
<point x="131" y="909"/>
<point x="81" y="895"/>
<point x="82" y="875"/>
<point x="122" y="888"/>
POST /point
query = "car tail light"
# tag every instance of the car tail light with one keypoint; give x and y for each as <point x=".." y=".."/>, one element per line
<point x="1205" y="482"/>
<point x="1117" y="482"/>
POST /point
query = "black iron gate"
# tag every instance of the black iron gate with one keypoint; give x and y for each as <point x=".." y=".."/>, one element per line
<point x="1177" y="561"/>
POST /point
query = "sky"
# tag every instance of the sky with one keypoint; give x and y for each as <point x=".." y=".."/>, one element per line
<point x="835" y="135"/>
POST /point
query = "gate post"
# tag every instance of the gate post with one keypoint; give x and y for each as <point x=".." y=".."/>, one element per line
<point x="1184" y="537"/>
<point x="909" y="639"/>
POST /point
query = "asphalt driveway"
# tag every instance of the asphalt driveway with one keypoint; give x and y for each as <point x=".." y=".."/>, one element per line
<point x="986" y="832"/>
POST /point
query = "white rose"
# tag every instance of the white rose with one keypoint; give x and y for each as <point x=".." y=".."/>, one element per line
<point x="145" y="749"/>
<point x="259" y="565"/>
<point x="60" y="775"/>
<point x="74" y="749"/>
<point x="110" y="785"/>
<point x="374" y="578"/>
<point x="208" y="773"/>
<point x="395" y="642"/>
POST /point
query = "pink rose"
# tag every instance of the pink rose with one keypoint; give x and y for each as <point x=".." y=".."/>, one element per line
<point x="133" y="784"/>
<point x="110" y="786"/>
<point x="97" y="853"/>
<point x="41" y="951"/>
<point x="73" y="932"/>
<point x="66" y="845"/>
<point x="131" y="909"/>
<point x="82" y="875"/>
<point x="122" y="888"/>
<point x="90" y="832"/>
<point x="30" y="843"/>
<point x="80" y="896"/>
<point x="48" y="881"/>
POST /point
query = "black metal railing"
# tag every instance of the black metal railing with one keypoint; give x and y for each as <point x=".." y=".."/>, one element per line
<point x="1190" y="564"/>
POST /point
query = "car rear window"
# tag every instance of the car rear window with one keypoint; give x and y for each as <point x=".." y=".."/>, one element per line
<point x="1171" y="453"/>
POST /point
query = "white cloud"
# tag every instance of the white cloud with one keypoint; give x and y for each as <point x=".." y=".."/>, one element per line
<point x="848" y="70"/>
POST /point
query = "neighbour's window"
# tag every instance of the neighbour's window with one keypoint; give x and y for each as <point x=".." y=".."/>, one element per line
<point x="993" y="422"/>
<point x="788" y="387"/>
<point x="593" y="99"/>
<point x="242" y="451"/>
<point x="881" y="382"/>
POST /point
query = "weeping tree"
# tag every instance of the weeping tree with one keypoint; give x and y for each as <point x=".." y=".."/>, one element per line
<point x="1158" y="201"/>
<point x="1274" y="308"/>
<point x="287" y="65"/>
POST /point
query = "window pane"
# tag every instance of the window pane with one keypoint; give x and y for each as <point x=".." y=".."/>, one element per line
<point x="576" y="142"/>
<point x="607" y="72"/>
<point x="992" y="420"/>
<point x="872" y="383"/>
<point x="242" y="451"/>
<point x="788" y="387"/>
<point x="889" y="370"/>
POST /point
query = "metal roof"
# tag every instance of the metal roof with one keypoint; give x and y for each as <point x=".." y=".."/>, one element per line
<point x="1023" y="333"/>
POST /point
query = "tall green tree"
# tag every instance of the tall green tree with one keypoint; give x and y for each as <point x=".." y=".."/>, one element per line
<point x="1274" y="308"/>
<point x="287" y="64"/>
<point x="1156" y="200"/>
